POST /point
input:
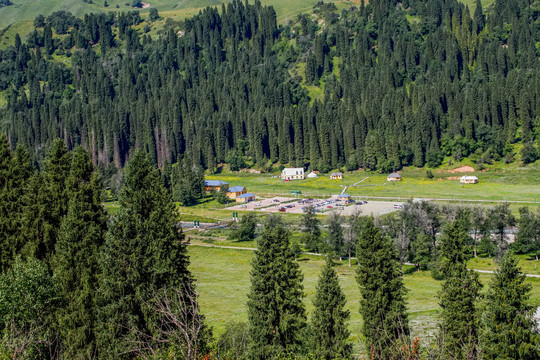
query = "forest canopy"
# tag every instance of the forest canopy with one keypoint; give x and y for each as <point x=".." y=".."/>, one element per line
<point x="379" y="86"/>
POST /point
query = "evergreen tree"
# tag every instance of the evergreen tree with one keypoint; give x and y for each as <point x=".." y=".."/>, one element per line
<point x="529" y="154"/>
<point x="221" y="195"/>
<point x="187" y="183"/>
<point x="528" y="237"/>
<point x="52" y="204"/>
<point x="479" y="18"/>
<point x="276" y="313"/>
<point x="312" y="231"/>
<point x="81" y="236"/>
<point x="28" y="298"/>
<point x="422" y="251"/>
<point x="499" y="218"/>
<point x="382" y="306"/>
<point x="144" y="252"/>
<point x="15" y="170"/>
<point x="329" y="319"/>
<point x="458" y="296"/>
<point x="335" y="241"/>
<point x="509" y="326"/>
<point x="8" y="226"/>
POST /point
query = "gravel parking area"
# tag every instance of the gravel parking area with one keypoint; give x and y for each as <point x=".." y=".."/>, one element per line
<point x="322" y="206"/>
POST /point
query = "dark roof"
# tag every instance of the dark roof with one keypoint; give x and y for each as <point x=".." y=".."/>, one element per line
<point x="236" y="189"/>
<point x="247" y="195"/>
<point x="336" y="174"/>
<point x="215" y="183"/>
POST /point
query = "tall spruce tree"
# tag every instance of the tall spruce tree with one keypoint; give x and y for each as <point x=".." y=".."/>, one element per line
<point x="51" y="202"/>
<point x="336" y="240"/>
<point x="329" y="319"/>
<point x="15" y="170"/>
<point x="8" y="226"/>
<point x="145" y="251"/>
<point x="382" y="306"/>
<point x="276" y="313"/>
<point x="312" y="231"/>
<point x="458" y="297"/>
<point x="509" y="327"/>
<point x="81" y="236"/>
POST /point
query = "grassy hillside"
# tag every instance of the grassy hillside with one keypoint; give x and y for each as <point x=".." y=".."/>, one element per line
<point x="24" y="10"/>
<point x="18" y="17"/>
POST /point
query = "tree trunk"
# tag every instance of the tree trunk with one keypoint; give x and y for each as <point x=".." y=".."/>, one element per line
<point x="349" y="257"/>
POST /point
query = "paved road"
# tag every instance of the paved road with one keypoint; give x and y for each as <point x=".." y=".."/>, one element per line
<point x="316" y="254"/>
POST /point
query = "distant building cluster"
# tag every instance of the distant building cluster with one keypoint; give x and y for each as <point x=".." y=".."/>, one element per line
<point x="237" y="193"/>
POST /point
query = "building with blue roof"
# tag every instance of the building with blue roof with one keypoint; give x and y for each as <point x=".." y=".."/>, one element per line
<point x="236" y="191"/>
<point x="247" y="197"/>
<point x="214" y="185"/>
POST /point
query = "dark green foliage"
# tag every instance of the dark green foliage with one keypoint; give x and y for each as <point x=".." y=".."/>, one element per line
<point x="458" y="297"/>
<point x="187" y="183"/>
<point x="235" y="161"/>
<point x="14" y="173"/>
<point x="39" y="21"/>
<point x="529" y="154"/>
<point x="47" y="203"/>
<point x="329" y="319"/>
<point x="5" y="3"/>
<point x="479" y="17"/>
<point x="449" y="83"/>
<point x="144" y="252"/>
<point x="311" y="229"/>
<point x="154" y="15"/>
<point x="499" y="218"/>
<point x="28" y="297"/>
<point x="509" y="327"/>
<point x="382" y="306"/>
<point x="528" y="237"/>
<point x="335" y="241"/>
<point x="76" y="269"/>
<point x="246" y="230"/>
<point x="276" y="313"/>
<point x="221" y="195"/>
<point x="422" y="249"/>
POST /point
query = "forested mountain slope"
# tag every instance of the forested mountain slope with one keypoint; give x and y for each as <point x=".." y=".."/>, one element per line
<point x="390" y="84"/>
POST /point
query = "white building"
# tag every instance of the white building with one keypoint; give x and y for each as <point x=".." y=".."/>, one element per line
<point x="468" y="180"/>
<point x="293" y="174"/>
<point x="312" y="175"/>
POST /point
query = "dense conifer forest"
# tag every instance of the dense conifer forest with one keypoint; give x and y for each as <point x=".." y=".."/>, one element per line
<point x="379" y="86"/>
<point x="93" y="102"/>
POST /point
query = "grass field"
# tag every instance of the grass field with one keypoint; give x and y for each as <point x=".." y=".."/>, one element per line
<point x="500" y="185"/>
<point x="18" y="18"/>
<point x="223" y="282"/>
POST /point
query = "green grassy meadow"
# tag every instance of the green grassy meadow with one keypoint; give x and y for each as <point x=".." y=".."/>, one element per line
<point x="223" y="283"/>
<point x="497" y="185"/>
<point x="18" y="18"/>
